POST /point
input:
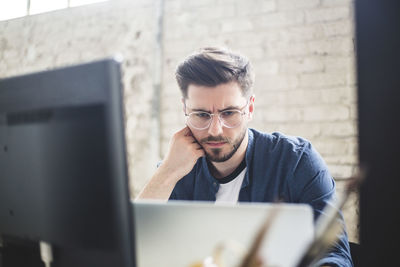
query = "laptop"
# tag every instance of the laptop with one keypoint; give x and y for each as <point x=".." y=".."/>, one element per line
<point x="183" y="233"/>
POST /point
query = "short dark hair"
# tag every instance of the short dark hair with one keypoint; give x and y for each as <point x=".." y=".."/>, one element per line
<point x="212" y="66"/>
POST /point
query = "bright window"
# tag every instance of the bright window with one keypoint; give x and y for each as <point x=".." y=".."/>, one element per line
<point x="73" y="3"/>
<point x="40" y="6"/>
<point x="10" y="9"/>
<point x="13" y="9"/>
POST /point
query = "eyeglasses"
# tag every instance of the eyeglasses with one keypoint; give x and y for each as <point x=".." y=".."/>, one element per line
<point x="230" y="118"/>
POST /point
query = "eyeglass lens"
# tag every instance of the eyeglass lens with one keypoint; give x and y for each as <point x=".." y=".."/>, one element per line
<point x="229" y="118"/>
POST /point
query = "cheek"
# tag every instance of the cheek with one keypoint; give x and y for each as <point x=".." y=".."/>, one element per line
<point x="198" y="135"/>
<point x="237" y="132"/>
<point x="231" y="133"/>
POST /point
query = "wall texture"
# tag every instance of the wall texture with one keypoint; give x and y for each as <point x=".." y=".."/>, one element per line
<point x="91" y="32"/>
<point x="302" y="52"/>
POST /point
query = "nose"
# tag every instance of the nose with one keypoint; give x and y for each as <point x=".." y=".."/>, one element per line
<point x="215" y="128"/>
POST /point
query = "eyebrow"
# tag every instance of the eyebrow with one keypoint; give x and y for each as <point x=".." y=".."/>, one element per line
<point x="208" y="111"/>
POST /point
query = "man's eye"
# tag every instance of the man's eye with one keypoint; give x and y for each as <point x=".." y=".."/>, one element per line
<point x="227" y="113"/>
<point x="202" y="115"/>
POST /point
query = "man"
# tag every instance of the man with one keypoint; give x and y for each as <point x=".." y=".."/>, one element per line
<point x="216" y="157"/>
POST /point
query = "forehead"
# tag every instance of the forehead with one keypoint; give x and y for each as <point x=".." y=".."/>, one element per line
<point x="218" y="97"/>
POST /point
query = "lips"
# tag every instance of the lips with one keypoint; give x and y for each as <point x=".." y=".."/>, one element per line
<point x="215" y="144"/>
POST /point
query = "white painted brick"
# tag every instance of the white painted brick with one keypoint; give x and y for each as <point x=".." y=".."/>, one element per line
<point x="351" y="78"/>
<point x="254" y="53"/>
<point x="297" y="4"/>
<point x="335" y="147"/>
<point x="335" y="63"/>
<point x="174" y="117"/>
<point x="293" y="97"/>
<point x="236" y="25"/>
<point x="225" y="2"/>
<point x="275" y="82"/>
<point x="280" y="114"/>
<point x="351" y="211"/>
<point x="305" y="130"/>
<point x="342" y="171"/>
<point x="244" y="8"/>
<point x="267" y="67"/>
<point x="214" y="12"/>
<point x="337" y="28"/>
<point x="178" y="6"/>
<point x="348" y="159"/>
<point x="269" y="98"/>
<point x="326" y="113"/>
<point x="301" y="33"/>
<point x="280" y="19"/>
<point x="171" y="91"/>
<point x="327" y="14"/>
<point x="171" y="101"/>
<point x="301" y="65"/>
<point x="242" y="39"/>
<point x="333" y="3"/>
<point x="302" y="97"/>
<point x="173" y="6"/>
<point x="315" y="80"/>
<point x="338" y="46"/>
<point x="10" y="54"/>
<point x="317" y="31"/>
<point x="339" y="95"/>
<point x="353" y="112"/>
<point x="287" y="49"/>
<point x="180" y="46"/>
<point x="340" y="129"/>
<point x="195" y="4"/>
<point x="192" y="28"/>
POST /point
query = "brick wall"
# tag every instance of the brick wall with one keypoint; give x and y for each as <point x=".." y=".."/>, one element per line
<point x="91" y="32"/>
<point x="302" y="52"/>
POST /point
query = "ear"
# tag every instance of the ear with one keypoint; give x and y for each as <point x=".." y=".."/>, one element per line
<point x="251" y="106"/>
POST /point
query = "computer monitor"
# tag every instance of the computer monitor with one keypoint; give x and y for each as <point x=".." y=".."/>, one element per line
<point x="63" y="166"/>
<point x="378" y="57"/>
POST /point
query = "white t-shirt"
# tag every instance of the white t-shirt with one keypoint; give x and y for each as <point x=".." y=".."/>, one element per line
<point x="229" y="192"/>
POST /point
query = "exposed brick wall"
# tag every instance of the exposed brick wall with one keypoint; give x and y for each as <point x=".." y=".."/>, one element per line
<point x="302" y="52"/>
<point x="91" y="32"/>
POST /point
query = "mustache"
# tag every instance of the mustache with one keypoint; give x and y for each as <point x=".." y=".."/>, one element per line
<point x="214" y="139"/>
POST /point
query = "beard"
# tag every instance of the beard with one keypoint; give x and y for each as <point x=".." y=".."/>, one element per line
<point x="216" y="154"/>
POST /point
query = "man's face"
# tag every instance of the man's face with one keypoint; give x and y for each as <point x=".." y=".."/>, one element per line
<point x="219" y="143"/>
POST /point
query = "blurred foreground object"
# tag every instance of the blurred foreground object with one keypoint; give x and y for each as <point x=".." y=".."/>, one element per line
<point x="328" y="226"/>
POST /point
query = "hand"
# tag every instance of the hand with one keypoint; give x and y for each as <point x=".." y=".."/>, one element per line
<point x="181" y="157"/>
<point x="183" y="153"/>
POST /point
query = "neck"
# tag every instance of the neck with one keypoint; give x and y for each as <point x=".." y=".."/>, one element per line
<point x="223" y="169"/>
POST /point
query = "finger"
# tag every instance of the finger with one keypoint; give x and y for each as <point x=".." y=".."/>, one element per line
<point x="201" y="153"/>
<point x="188" y="132"/>
<point x="199" y="147"/>
<point x="184" y="131"/>
<point x="191" y="139"/>
<point x="196" y="146"/>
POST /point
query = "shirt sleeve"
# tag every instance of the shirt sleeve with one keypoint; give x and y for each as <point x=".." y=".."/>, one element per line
<point x="312" y="184"/>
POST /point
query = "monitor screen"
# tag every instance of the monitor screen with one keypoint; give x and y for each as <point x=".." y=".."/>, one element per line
<point x="378" y="57"/>
<point x="63" y="165"/>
